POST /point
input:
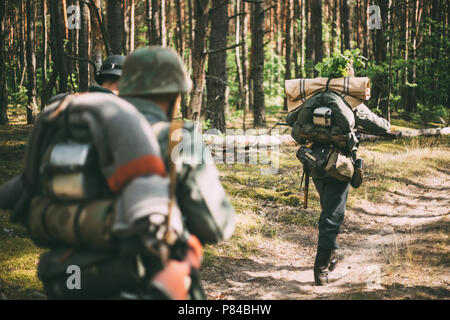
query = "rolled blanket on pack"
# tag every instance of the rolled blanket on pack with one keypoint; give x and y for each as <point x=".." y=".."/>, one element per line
<point x="130" y="157"/>
<point x="354" y="90"/>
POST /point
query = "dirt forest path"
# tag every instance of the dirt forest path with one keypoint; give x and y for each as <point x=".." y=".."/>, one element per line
<point x="381" y="242"/>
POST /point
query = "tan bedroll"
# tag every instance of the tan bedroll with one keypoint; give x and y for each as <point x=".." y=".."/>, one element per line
<point x="354" y="90"/>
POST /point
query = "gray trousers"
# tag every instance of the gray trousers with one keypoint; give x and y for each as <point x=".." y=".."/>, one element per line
<point x="333" y="198"/>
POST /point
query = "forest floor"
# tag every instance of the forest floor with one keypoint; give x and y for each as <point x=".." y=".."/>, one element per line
<point x="394" y="237"/>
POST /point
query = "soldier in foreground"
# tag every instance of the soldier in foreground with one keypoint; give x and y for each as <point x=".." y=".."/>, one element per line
<point x="153" y="80"/>
<point x="106" y="189"/>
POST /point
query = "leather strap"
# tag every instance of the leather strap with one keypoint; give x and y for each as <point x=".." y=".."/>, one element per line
<point x="173" y="141"/>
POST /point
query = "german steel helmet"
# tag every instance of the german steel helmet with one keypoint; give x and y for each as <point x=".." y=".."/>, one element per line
<point x="154" y="70"/>
<point x="111" y="66"/>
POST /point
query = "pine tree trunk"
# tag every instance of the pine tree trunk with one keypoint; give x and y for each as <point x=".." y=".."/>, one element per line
<point x="346" y="22"/>
<point x="436" y="14"/>
<point x="115" y="25"/>
<point x="83" y="47"/>
<point x="3" y="91"/>
<point x="244" y="59"/>
<point x="366" y="29"/>
<point x="217" y="64"/>
<point x="296" y="45"/>
<point x="288" y="66"/>
<point x="97" y="36"/>
<point x="54" y="52"/>
<point x="44" y="52"/>
<point x="126" y="26"/>
<point x="239" y="76"/>
<point x="334" y="28"/>
<point x="391" y="53"/>
<point x="180" y="48"/>
<point x="190" y="31"/>
<point x="316" y="18"/>
<point x="155" y="35"/>
<point x="148" y="19"/>
<point x="132" y="26"/>
<point x="22" y="59"/>
<point x="31" y="63"/>
<point x="162" y="24"/>
<point x="257" y="64"/>
<point x="60" y="28"/>
<point x="309" y="54"/>
<point x="199" y="58"/>
<point x="379" y="89"/>
<point x="69" y="48"/>
<point x="277" y="25"/>
<point x="411" y="99"/>
<point x="180" y="35"/>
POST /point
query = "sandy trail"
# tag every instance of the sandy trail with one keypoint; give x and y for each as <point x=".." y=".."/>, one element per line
<point x="371" y="236"/>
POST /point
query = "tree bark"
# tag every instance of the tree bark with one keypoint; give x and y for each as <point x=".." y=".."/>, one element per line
<point x="22" y="59"/>
<point x="155" y="33"/>
<point x="162" y="24"/>
<point x="83" y="47"/>
<point x="190" y="31"/>
<point x="217" y="64"/>
<point x="3" y="91"/>
<point x="199" y="58"/>
<point x="379" y="89"/>
<point x="115" y="26"/>
<point x="126" y="26"/>
<point x="333" y="43"/>
<point x="31" y="64"/>
<point x="180" y="35"/>
<point x="44" y="52"/>
<point x="346" y="22"/>
<point x="411" y="99"/>
<point x="288" y="66"/>
<point x="97" y="38"/>
<point x="60" y="32"/>
<point x="316" y="19"/>
<point x="132" y="25"/>
<point x="148" y="19"/>
<point x="309" y="41"/>
<point x="257" y="64"/>
<point x="245" y="63"/>
<point x="237" y="51"/>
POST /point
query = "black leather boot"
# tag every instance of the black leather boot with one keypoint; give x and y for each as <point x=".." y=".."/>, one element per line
<point x="335" y="257"/>
<point x="321" y="266"/>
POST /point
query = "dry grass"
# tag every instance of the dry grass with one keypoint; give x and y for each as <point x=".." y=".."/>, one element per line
<point x="266" y="205"/>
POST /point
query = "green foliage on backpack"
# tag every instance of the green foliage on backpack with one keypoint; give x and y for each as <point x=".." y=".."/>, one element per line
<point x="340" y="64"/>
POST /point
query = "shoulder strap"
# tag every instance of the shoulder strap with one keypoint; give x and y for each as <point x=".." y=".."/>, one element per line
<point x="173" y="141"/>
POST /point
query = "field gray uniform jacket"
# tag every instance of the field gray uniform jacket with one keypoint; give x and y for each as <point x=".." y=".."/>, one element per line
<point x="207" y="212"/>
<point x="128" y="152"/>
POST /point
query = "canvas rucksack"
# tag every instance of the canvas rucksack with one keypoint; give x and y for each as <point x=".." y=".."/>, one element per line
<point x="78" y="185"/>
<point x="325" y="118"/>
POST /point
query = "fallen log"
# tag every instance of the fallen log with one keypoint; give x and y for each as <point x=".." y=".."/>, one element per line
<point x="248" y="141"/>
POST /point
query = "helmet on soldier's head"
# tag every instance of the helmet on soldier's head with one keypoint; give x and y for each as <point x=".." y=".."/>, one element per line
<point x="111" y="67"/>
<point x="154" y="70"/>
